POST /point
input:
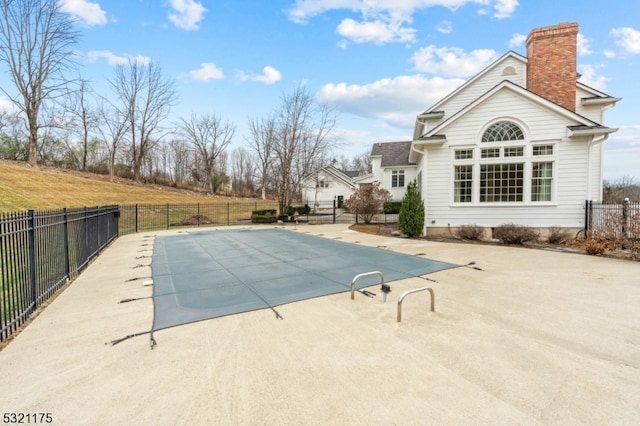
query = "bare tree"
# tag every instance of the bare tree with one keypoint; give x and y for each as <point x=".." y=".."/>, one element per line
<point x="146" y="98"/>
<point x="242" y="165"/>
<point x="302" y="141"/>
<point x="37" y="41"/>
<point x="264" y="134"/>
<point x="112" y="126"/>
<point x="84" y="118"/>
<point x="621" y="189"/>
<point x="209" y="137"/>
<point x="368" y="201"/>
<point x="181" y="157"/>
<point x="362" y="162"/>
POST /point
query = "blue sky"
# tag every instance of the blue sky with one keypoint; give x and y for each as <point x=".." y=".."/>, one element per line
<point x="378" y="62"/>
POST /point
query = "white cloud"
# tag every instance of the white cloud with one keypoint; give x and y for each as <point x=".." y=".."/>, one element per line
<point x="186" y="14"/>
<point x="590" y="77"/>
<point x="445" y="27"/>
<point x="504" y="8"/>
<point x="88" y="12"/>
<point x="113" y="59"/>
<point x="207" y="71"/>
<point x="6" y="106"/>
<point x="378" y="32"/>
<point x="583" y="45"/>
<point x="517" y="40"/>
<point x="269" y="75"/>
<point x="395" y="100"/>
<point x="451" y="61"/>
<point x="627" y="38"/>
<point x="383" y="20"/>
<point x="609" y="54"/>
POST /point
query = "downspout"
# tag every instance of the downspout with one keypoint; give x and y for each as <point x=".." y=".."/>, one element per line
<point x="424" y="186"/>
<point x="595" y="140"/>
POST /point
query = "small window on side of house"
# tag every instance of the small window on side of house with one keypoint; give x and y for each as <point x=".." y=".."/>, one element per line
<point x="397" y="179"/>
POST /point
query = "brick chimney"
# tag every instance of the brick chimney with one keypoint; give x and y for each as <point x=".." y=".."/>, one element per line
<point x="552" y="68"/>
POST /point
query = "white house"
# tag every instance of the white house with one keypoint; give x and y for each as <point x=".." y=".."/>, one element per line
<point x="392" y="167"/>
<point x="521" y="142"/>
<point x="327" y="184"/>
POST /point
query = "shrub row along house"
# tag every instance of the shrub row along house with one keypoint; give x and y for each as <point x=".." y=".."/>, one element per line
<point x="521" y="142"/>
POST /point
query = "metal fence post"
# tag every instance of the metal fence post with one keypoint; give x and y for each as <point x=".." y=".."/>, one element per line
<point x="228" y="214"/>
<point x="136" y="218"/>
<point x="33" y="255"/>
<point x="334" y="210"/>
<point x="625" y="217"/>
<point x="65" y="233"/>
<point x="588" y="204"/>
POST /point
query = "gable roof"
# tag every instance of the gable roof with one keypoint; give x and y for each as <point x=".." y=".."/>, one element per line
<point x="351" y="173"/>
<point x="344" y="177"/>
<point x="508" y="85"/>
<point x="494" y="64"/>
<point x="583" y="127"/>
<point x="393" y="153"/>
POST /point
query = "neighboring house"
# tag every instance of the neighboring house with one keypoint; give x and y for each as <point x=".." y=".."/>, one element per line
<point x="521" y="142"/>
<point x="392" y="167"/>
<point x="326" y="184"/>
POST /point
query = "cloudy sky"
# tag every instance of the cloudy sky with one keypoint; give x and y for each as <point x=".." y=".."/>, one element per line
<point x="378" y="62"/>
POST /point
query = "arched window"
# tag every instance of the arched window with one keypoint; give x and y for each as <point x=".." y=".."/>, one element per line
<point x="506" y="169"/>
<point x="503" y="131"/>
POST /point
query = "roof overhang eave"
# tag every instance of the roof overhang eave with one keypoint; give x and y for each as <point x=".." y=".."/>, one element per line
<point x="600" y="101"/>
<point x="595" y="131"/>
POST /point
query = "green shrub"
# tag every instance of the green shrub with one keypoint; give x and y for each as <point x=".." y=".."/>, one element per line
<point x="392" y="207"/>
<point x="471" y="232"/>
<point x="299" y="209"/>
<point x="264" y="216"/>
<point x="411" y="218"/>
<point x="265" y="212"/>
<point x="514" y="234"/>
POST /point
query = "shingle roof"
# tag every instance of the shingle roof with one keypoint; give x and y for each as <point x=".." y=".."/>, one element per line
<point x="351" y="173"/>
<point x="393" y="153"/>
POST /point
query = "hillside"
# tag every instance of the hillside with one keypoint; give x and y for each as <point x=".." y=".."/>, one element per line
<point x="23" y="187"/>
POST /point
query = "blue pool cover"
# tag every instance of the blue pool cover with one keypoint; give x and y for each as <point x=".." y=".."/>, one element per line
<point x="203" y="275"/>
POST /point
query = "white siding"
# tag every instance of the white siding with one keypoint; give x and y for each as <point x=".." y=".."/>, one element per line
<point x="482" y="85"/>
<point x="593" y="112"/>
<point x="570" y="171"/>
<point x="336" y="187"/>
<point x="410" y="174"/>
<point x="376" y="170"/>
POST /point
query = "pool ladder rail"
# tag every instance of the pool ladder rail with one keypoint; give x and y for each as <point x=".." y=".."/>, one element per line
<point x="386" y="289"/>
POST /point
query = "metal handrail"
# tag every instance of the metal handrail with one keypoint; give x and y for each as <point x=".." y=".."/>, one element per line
<point x="366" y="274"/>
<point x="408" y="292"/>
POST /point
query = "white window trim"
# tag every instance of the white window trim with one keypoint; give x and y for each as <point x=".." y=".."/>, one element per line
<point x="397" y="173"/>
<point x="528" y="159"/>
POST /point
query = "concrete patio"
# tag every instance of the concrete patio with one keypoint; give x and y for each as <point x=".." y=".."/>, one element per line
<point x="533" y="337"/>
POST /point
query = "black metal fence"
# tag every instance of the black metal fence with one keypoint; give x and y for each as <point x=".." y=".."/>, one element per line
<point x="42" y="250"/>
<point x="614" y="222"/>
<point x="151" y="217"/>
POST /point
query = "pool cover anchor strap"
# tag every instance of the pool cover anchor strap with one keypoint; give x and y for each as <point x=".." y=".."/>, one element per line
<point x="122" y="339"/>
